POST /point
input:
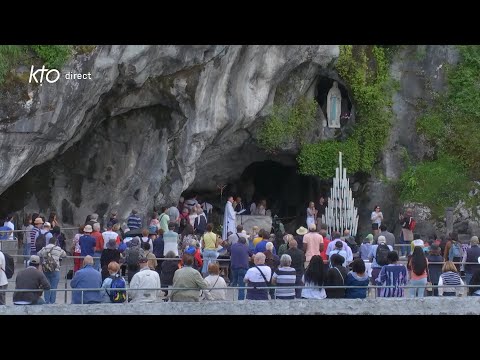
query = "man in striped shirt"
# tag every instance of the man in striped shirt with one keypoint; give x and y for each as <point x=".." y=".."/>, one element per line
<point x="285" y="276"/>
<point x="38" y="224"/>
<point x="134" y="221"/>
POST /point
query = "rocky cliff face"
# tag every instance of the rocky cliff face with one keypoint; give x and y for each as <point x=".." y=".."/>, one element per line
<point x="152" y="120"/>
<point x="420" y="71"/>
<point x="156" y="120"/>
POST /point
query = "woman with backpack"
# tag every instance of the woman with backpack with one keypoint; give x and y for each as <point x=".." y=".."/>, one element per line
<point x="392" y="277"/>
<point x="59" y="238"/>
<point x="132" y="255"/>
<point x="418" y="268"/>
<point x="112" y="296"/>
<point x="379" y="258"/>
<point x="453" y="250"/>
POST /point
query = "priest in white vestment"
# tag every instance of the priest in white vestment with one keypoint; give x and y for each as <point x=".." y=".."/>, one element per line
<point x="229" y="221"/>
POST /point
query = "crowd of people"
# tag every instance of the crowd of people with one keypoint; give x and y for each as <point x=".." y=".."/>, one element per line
<point x="178" y="248"/>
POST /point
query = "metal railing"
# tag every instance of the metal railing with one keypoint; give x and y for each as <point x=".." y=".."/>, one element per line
<point x="268" y="288"/>
<point x="67" y="264"/>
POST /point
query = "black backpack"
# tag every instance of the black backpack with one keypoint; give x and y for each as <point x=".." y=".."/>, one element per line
<point x="133" y="256"/>
<point x="352" y="244"/>
<point x="200" y="224"/>
<point x="381" y="254"/>
<point x="9" y="265"/>
<point x="40" y="242"/>
<point x="60" y="241"/>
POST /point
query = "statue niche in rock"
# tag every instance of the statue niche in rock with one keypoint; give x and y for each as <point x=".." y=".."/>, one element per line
<point x="334" y="106"/>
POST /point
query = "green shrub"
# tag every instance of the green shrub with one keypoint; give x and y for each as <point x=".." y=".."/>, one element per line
<point x="432" y="125"/>
<point x="452" y="125"/>
<point x="288" y="123"/>
<point x="321" y="159"/>
<point x="53" y="56"/>
<point x="9" y="56"/>
<point x="437" y="184"/>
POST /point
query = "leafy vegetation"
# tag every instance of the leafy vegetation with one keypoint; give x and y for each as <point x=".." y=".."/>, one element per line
<point x="365" y="70"/>
<point x="53" y="56"/>
<point x="438" y="184"/>
<point x="9" y="56"/>
<point x="84" y="49"/>
<point x="286" y="123"/>
<point x="321" y="159"/>
<point x="452" y="127"/>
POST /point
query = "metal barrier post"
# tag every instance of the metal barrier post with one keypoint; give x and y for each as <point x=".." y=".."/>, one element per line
<point x="65" y="297"/>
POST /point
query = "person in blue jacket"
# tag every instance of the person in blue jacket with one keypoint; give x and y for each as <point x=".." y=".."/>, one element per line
<point x="357" y="277"/>
<point x="87" y="278"/>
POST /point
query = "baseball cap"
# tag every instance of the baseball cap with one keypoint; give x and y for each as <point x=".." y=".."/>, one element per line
<point x="34" y="260"/>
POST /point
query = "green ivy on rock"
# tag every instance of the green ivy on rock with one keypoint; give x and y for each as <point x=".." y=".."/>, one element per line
<point x="452" y="127"/>
<point x="53" y="56"/>
<point x="9" y="56"/>
<point x="437" y="184"/>
<point x="286" y="123"/>
<point x="365" y="70"/>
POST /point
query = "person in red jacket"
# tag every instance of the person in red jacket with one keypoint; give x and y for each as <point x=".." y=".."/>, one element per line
<point x="197" y="256"/>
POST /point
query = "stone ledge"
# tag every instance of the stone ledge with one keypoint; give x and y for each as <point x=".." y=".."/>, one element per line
<point x="423" y="306"/>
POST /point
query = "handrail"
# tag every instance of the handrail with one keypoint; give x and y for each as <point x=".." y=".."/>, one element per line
<point x="251" y="287"/>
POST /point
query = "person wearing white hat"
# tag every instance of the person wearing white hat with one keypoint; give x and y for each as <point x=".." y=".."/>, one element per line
<point x="35" y="232"/>
<point x="47" y="228"/>
<point x="301" y="231"/>
<point x="87" y="242"/>
<point x="379" y="252"/>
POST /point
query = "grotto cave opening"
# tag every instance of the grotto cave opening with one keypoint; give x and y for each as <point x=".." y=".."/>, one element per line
<point x="287" y="193"/>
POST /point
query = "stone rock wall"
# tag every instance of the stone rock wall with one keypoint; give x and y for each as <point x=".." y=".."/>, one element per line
<point x="153" y="120"/>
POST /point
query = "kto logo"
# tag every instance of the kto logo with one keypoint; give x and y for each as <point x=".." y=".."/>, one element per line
<point x="51" y="75"/>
